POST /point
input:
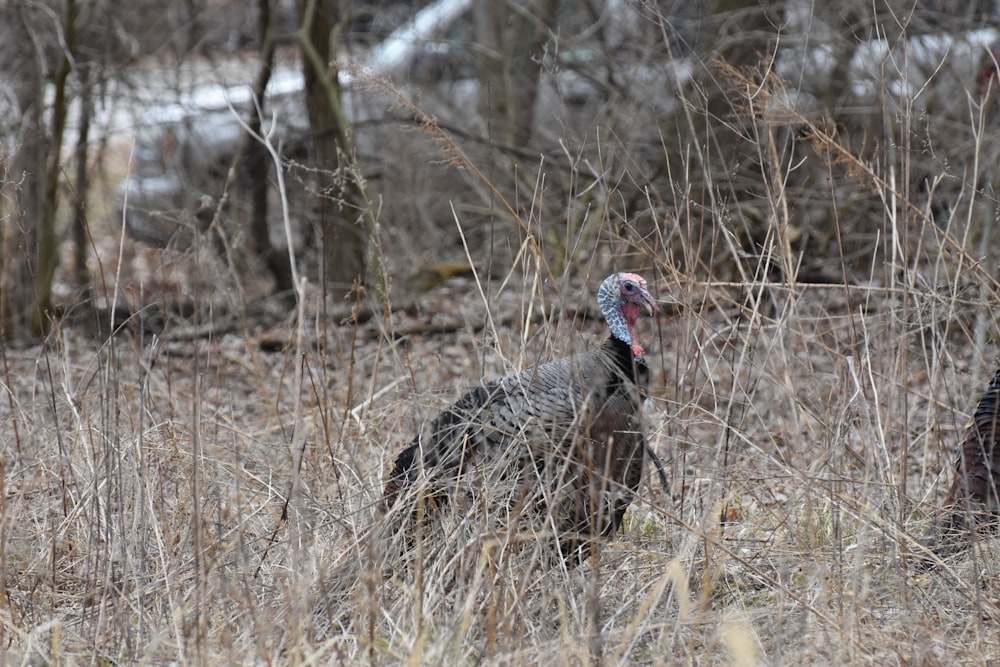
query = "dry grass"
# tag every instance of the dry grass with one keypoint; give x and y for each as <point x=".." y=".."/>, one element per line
<point x="144" y="487"/>
<point x="214" y="502"/>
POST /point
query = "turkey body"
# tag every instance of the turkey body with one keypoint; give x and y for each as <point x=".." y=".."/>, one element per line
<point x="973" y="498"/>
<point x="978" y="469"/>
<point x="562" y="442"/>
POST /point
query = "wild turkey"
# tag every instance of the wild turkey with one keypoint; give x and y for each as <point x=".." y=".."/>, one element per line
<point x="565" y="437"/>
<point x="988" y="72"/>
<point x="973" y="500"/>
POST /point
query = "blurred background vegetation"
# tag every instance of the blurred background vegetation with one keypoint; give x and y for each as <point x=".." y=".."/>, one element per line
<point x="735" y="139"/>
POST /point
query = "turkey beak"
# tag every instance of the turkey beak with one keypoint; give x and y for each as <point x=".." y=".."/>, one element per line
<point x="649" y="304"/>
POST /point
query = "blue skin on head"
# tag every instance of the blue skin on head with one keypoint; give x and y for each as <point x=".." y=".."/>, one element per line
<point x="621" y="297"/>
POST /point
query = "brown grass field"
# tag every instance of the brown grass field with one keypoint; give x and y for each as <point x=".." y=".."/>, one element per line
<point x="808" y="432"/>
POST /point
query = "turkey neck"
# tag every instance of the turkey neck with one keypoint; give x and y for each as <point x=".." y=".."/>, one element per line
<point x="625" y="363"/>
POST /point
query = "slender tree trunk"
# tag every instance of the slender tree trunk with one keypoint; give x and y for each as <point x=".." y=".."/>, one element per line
<point x="82" y="181"/>
<point x="20" y="233"/>
<point x="30" y="241"/>
<point x="48" y="257"/>
<point x="256" y="160"/>
<point x="512" y="34"/>
<point x="342" y="214"/>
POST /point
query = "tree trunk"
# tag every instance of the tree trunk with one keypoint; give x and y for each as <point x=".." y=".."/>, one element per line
<point x="48" y="252"/>
<point x="512" y="35"/>
<point x="80" y="233"/>
<point x="342" y="213"/>
<point x="25" y="176"/>
<point x="30" y="243"/>
<point x="255" y="157"/>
